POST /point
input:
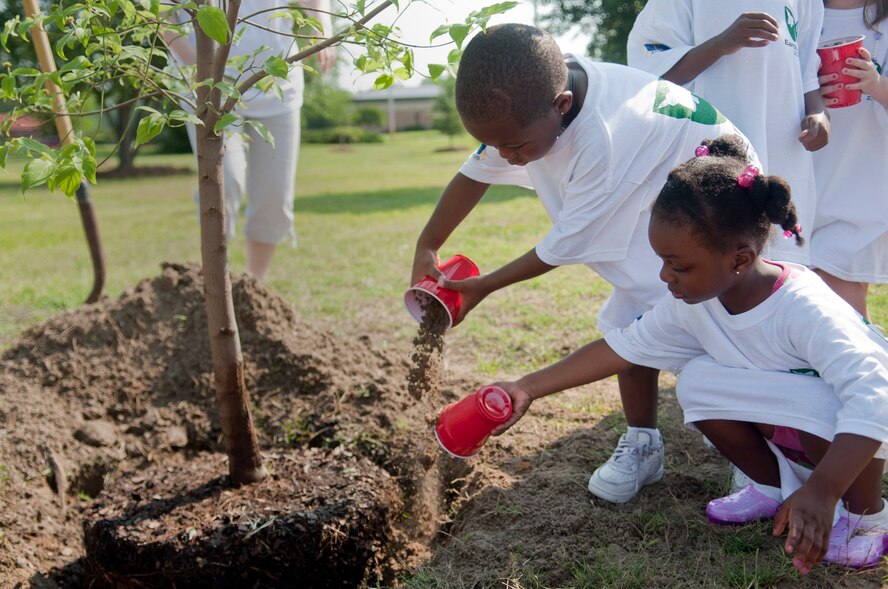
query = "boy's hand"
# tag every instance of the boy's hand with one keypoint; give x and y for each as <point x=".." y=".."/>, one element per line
<point x="473" y="292"/>
<point x="809" y="516"/>
<point x="751" y="29"/>
<point x="815" y="131"/>
<point x="425" y="263"/>
<point x="521" y="401"/>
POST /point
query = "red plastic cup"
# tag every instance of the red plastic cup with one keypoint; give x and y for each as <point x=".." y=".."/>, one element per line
<point x="464" y="426"/>
<point x="833" y="54"/>
<point x="456" y="268"/>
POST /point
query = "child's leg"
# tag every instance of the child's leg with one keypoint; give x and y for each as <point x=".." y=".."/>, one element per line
<point x="854" y="293"/>
<point x="864" y="496"/>
<point x="638" y="458"/>
<point x="638" y="392"/>
<point x="744" y="445"/>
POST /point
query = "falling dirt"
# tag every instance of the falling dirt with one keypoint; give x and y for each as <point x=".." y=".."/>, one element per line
<point x="428" y="350"/>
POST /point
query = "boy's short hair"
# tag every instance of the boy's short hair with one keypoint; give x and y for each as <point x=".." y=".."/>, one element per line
<point x="510" y="68"/>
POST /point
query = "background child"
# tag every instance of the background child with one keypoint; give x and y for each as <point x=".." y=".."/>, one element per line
<point x="767" y="353"/>
<point x="849" y="245"/>
<point x="759" y="68"/>
<point x="596" y="142"/>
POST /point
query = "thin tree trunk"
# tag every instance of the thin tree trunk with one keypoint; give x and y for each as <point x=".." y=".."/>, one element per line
<point x="232" y="397"/>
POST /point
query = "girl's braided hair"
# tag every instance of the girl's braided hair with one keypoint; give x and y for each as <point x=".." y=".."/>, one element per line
<point x="703" y="194"/>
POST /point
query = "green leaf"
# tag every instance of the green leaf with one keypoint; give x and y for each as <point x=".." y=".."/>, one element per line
<point x="149" y="128"/>
<point x="359" y="7"/>
<point x="435" y="71"/>
<point x="224" y="121"/>
<point x="402" y="73"/>
<point x="68" y="180"/>
<point x="89" y="168"/>
<point x="454" y="56"/>
<point x="277" y="67"/>
<point x="4" y="152"/>
<point x="36" y="172"/>
<point x="442" y="30"/>
<point x="383" y="81"/>
<point x="213" y="23"/>
<point x="459" y="33"/>
<point x="263" y="131"/>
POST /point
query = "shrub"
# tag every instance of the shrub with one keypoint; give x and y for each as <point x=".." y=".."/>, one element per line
<point x="340" y="135"/>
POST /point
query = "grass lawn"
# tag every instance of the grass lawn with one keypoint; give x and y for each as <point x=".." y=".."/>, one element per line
<point x="359" y="210"/>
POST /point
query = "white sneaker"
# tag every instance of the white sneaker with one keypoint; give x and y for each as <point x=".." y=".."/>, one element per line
<point x="739" y="480"/>
<point x="637" y="461"/>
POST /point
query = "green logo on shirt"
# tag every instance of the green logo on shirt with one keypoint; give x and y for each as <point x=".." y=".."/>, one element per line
<point x="678" y="103"/>
<point x="791" y="23"/>
<point x="805" y="371"/>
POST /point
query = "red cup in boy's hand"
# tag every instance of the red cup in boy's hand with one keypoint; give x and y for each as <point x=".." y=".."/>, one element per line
<point x="428" y="290"/>
<point x="833" y="59"/>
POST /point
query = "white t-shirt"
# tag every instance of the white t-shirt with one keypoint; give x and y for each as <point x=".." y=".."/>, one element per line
<point x="599" y="180"/>
<point x="850" y="237"/>
<point x="802" y="328"/>
<point x="760" y="89"/>
<point x="277" y="41"/>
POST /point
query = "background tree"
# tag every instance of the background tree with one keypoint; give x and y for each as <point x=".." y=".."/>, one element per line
<point x="609" y="20"/>
<point x="446" y="118"/>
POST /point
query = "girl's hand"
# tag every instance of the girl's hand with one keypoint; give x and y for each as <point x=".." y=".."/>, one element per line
<point x="751" y="29"/>
<point x="864" y="70"/>
<point x="473" y="290"/>
<point x="521" y="400"/>
<point x="815" y="131"/>
<point x="809" y="515"/>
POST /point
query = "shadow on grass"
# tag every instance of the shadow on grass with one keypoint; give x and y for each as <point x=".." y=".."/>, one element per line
<point x="389" y="200"/>
<point x="527" y="520"/>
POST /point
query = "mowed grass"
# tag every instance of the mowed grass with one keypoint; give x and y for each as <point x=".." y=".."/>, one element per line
<point x="359" y="210"/>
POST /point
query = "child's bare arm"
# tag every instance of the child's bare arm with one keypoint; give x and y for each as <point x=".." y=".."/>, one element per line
<point x="592" y="362"/>
<point x="751" y="29"/>
<point x="815" y="126"/>
<point x="457" y="201"/>
<point x="474" y="290"/>
<point x="809" y="511"/>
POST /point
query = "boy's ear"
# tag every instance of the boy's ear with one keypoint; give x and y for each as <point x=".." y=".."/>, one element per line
<point x="744" y="258"/>
<point x="563" y="102"/>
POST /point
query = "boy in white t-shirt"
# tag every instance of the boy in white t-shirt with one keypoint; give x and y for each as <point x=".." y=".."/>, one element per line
<point x="596" y="142"/>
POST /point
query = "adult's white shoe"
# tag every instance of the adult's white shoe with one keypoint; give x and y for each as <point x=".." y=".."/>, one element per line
<point x="637" y="461"/>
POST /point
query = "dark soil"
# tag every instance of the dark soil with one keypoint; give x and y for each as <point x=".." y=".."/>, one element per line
<point x="120" y="387"/>
<point x="428" y="347"/>
<point x="107" y="414"/>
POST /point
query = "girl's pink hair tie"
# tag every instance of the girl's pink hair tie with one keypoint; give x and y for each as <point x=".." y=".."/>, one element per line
<point x="797" y="230"/>
<point x="748" y="175"/>
<point x="701" y="151"/>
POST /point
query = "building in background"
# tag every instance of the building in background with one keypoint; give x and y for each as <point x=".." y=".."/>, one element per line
<point x="406" y="108"/>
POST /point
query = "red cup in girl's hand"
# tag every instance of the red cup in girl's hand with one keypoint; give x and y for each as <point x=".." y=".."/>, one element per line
<point x="456" y="268"/>
<point x="833" y="54"/>
<point x="464" y="426"/>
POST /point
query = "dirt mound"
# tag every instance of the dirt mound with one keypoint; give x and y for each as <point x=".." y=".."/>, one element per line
<point x="119" y="385"/>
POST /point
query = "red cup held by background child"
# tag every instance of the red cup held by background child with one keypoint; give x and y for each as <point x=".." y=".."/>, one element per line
<point x="464" y="426"/>
<point x="833" y="54"/>
<point x="456" y="268"/>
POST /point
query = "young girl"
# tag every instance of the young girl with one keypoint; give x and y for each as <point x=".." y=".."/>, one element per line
<point x="768" y="356"/>
<point x="849" y="245"/>
<point x="759" y="68"/>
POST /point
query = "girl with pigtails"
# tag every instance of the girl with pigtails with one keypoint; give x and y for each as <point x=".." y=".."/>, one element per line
<point x="849" y="244"/>
<point x="781" y="374"/>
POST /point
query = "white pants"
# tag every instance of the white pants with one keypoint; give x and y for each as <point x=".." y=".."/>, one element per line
<point x="266" y="174"/>
<point x="707" y="390"/>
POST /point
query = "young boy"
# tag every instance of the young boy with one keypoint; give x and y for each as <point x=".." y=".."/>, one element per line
<point x="596" y="142"/>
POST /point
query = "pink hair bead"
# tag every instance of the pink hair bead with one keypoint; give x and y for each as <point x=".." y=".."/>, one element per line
<point x="746" y="178"/>
<point x="701" y="151"/>
<point x="787" y="234"/>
